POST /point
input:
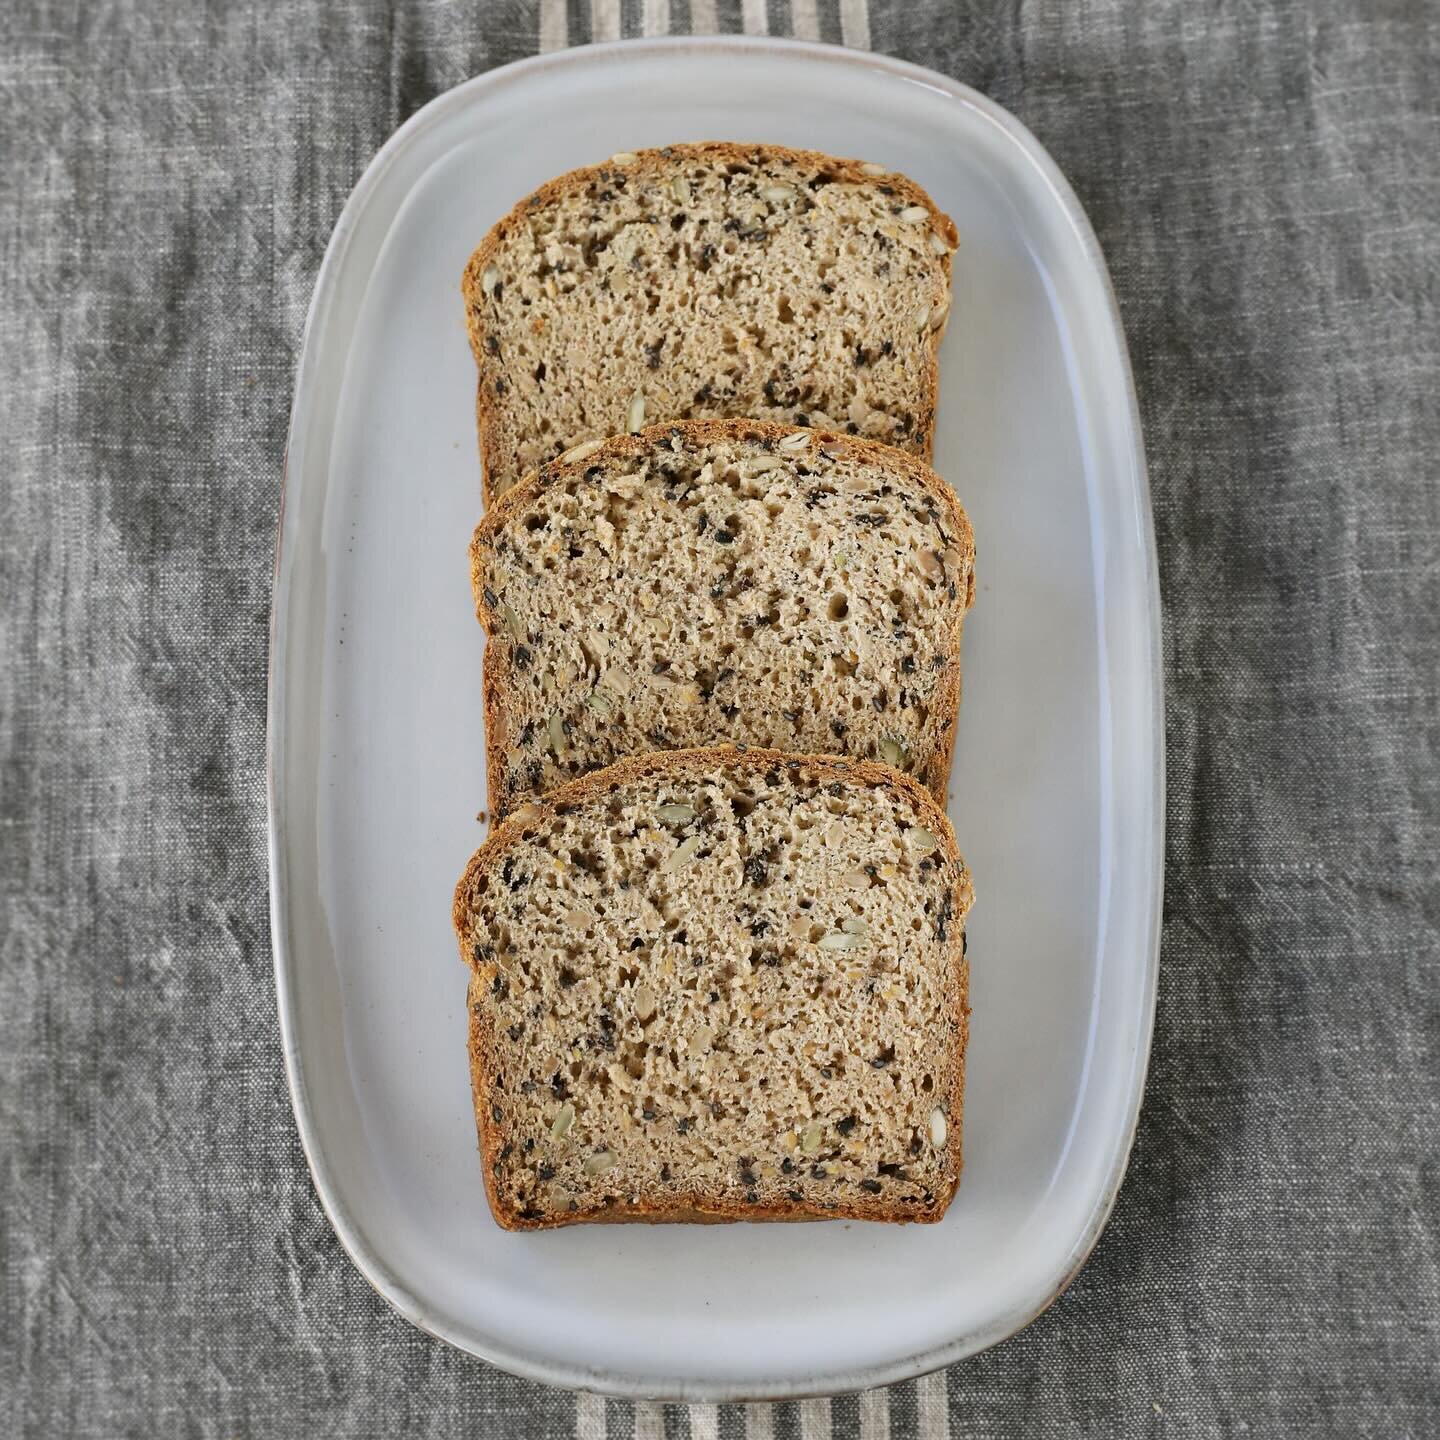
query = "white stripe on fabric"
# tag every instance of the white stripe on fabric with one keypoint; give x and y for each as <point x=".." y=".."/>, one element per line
<point x="855" y="24"/>
<point x="704" y="1422"/>
<point x="589" y="1417"/>
<point x="805" y="19"/>
<point x="754" y="17"/>
<point x="554" y="26"/>
<point x="649" y="1417"/>
<point x="874" y="1415"/>
<point x="759" y="1422"/>
<point x="655" y="20"/>
<point x="604" y="20"/>
<point x="702" y="17"/>
<point x="932" y="1405"/>
<point x="815" y="1421"/>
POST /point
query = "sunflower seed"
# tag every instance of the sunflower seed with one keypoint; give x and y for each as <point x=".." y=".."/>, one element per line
<point x="599" y="1162"/>
<point x="564" y="1119"/>
<point x="870" y="168"/>
<point x="635" y="414"/>
<point x="676" y="814"/>
<point x="938" y="1128"/>
<point x="581" y="452"/>
<point x="617" y="680"/>
<point x="683" y="853"/>
<point x="490" y="279"/>
<point x="893" y="752"/>
<point x="798" y="441"/>
<point x="911" y="213"/>
<point x="922" y="840"/>
<point x="511" y="621"/>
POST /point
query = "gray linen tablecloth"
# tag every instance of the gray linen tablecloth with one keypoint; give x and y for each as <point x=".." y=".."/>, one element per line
<point x="1263" y="178"/>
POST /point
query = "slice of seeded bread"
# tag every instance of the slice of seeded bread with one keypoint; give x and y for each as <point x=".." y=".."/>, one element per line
<point x="711" y="280"/>
<point x="719" y="985"/>
<point x="721" y="580"/>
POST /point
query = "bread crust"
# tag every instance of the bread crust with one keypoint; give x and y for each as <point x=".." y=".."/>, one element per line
<point x="649" y="163"/>
<point x="498" y="670"/>
<point x="697" y="1208"/>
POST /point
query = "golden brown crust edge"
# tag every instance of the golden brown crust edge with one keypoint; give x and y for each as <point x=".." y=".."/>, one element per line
<point x="700" y="1209"/>
<point x="495" y="671"/>
<point x="497" y="668"/>
<point x="487" y="414"/>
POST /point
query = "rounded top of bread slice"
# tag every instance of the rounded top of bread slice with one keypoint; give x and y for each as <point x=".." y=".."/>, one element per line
<point x="706" y="281"/>
<point x="719" y="984"/>
<point x="721" y="580"/>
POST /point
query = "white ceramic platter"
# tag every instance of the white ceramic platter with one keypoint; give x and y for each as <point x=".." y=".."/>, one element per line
<point x="377" y="765"/>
